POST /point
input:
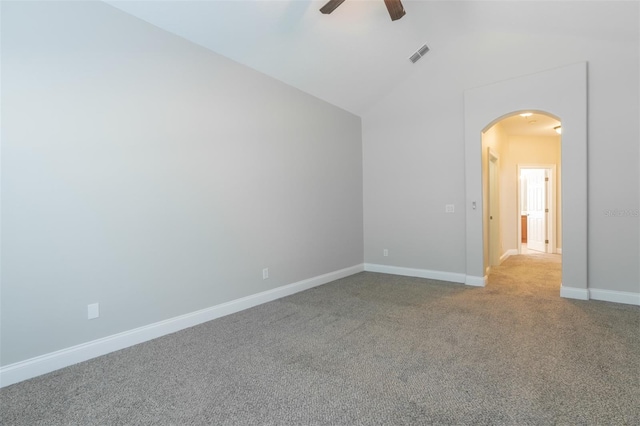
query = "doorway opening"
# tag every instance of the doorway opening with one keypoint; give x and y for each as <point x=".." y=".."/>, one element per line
<point x="521" y="189"/>
<point x="561" y="91"/>
<point x="537" y="201"/>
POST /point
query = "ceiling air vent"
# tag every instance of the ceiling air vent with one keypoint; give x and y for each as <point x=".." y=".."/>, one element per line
<point x="419" y="54"/>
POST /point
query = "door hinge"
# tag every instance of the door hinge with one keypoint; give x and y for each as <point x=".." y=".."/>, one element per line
<point x="546" y="210"/>
<point x="546" y="241"/>
<point x="546" y="179"/>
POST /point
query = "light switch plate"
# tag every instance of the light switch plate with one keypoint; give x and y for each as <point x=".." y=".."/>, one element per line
<point x="93" y="311"/>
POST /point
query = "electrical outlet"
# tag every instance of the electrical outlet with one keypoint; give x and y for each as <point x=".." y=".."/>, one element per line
<point x="385" y="252"/>
<point x="265" y="273"/>
<point x="93" y="311"/>
<point x="449" y="208"/>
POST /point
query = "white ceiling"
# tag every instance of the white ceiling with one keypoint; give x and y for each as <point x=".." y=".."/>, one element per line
<point x="534" y="125"/>
<point x="354" y="56"/>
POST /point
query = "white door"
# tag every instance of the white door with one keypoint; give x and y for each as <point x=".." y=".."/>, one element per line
<point x="536" y="209"/>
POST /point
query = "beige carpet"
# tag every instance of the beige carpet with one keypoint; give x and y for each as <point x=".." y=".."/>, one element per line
<point x="534" y="274"/>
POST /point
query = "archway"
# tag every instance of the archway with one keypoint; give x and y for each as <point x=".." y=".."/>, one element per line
<point x="521" y="174"/>
<point x="563" y="93"/>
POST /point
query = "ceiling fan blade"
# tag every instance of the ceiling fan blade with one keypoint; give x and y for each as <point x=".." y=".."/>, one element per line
<point x="331" y="6"/>
<point x="395" y="8"/>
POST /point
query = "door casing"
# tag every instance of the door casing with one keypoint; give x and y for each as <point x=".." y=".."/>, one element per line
<point x="550" y="196"/>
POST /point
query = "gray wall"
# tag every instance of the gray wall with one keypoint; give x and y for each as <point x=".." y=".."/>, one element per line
<point x="413" y="139"/>
<point x="157" y="178"/>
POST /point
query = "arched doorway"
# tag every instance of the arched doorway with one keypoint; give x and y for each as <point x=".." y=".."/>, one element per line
<point x="521" y="176"/>
<point x="563" y="93"/>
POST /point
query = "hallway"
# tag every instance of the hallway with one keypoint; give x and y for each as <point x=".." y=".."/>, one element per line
<point x="534" y="274"/>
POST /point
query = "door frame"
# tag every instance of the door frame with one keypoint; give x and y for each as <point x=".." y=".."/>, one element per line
<point x="550" y="195"/>
<point x="493" y="192"/>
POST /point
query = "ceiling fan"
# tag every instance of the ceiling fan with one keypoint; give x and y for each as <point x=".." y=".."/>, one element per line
<point x="395" y="8"/>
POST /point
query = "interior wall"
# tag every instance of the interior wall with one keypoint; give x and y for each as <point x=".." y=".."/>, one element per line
<point x="413" y="138"/>
<point x="156" y="178"/>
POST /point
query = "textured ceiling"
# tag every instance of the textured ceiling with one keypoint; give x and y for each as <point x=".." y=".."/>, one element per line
<point x="355" y="56"/>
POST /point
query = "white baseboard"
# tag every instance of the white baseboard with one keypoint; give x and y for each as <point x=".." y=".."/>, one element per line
<point x="476" y="281"/>
<point x="47" y="363"/>
<point x="615" y="296"/>
<point x="427" y="273"/>
<point x="510" y="252"/>
<point x="418" y="273"/>
<point x="574" y="293"/>
<point x="625" y="297"/>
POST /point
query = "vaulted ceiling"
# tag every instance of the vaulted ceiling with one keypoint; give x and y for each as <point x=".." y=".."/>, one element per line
<point x="354" y="56"/>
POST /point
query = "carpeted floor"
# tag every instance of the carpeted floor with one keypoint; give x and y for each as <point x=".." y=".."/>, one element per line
<point x="370" y="349"/>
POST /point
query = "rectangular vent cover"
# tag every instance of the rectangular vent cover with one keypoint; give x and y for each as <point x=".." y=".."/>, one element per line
<point x="419" y="54"/>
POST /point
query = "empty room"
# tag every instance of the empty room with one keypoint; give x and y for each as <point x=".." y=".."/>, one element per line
<point x="301" y="212"/>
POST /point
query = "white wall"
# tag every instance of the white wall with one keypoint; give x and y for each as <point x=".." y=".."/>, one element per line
<point x="152" y="176"/>
<point x="413" y="139"/>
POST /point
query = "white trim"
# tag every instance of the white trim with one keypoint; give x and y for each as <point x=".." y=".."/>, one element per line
<point x="626" y="297"/>
<point x="558" y="250"/>
<point x="412" y="272"/>
<point x="494" y="234"/>
<point x="453" y="277"/>
<point x="476" y="281"/>
<point x="510" y="252"/>
<point x="47" y="363"/>
<point x="574" y="293"/>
